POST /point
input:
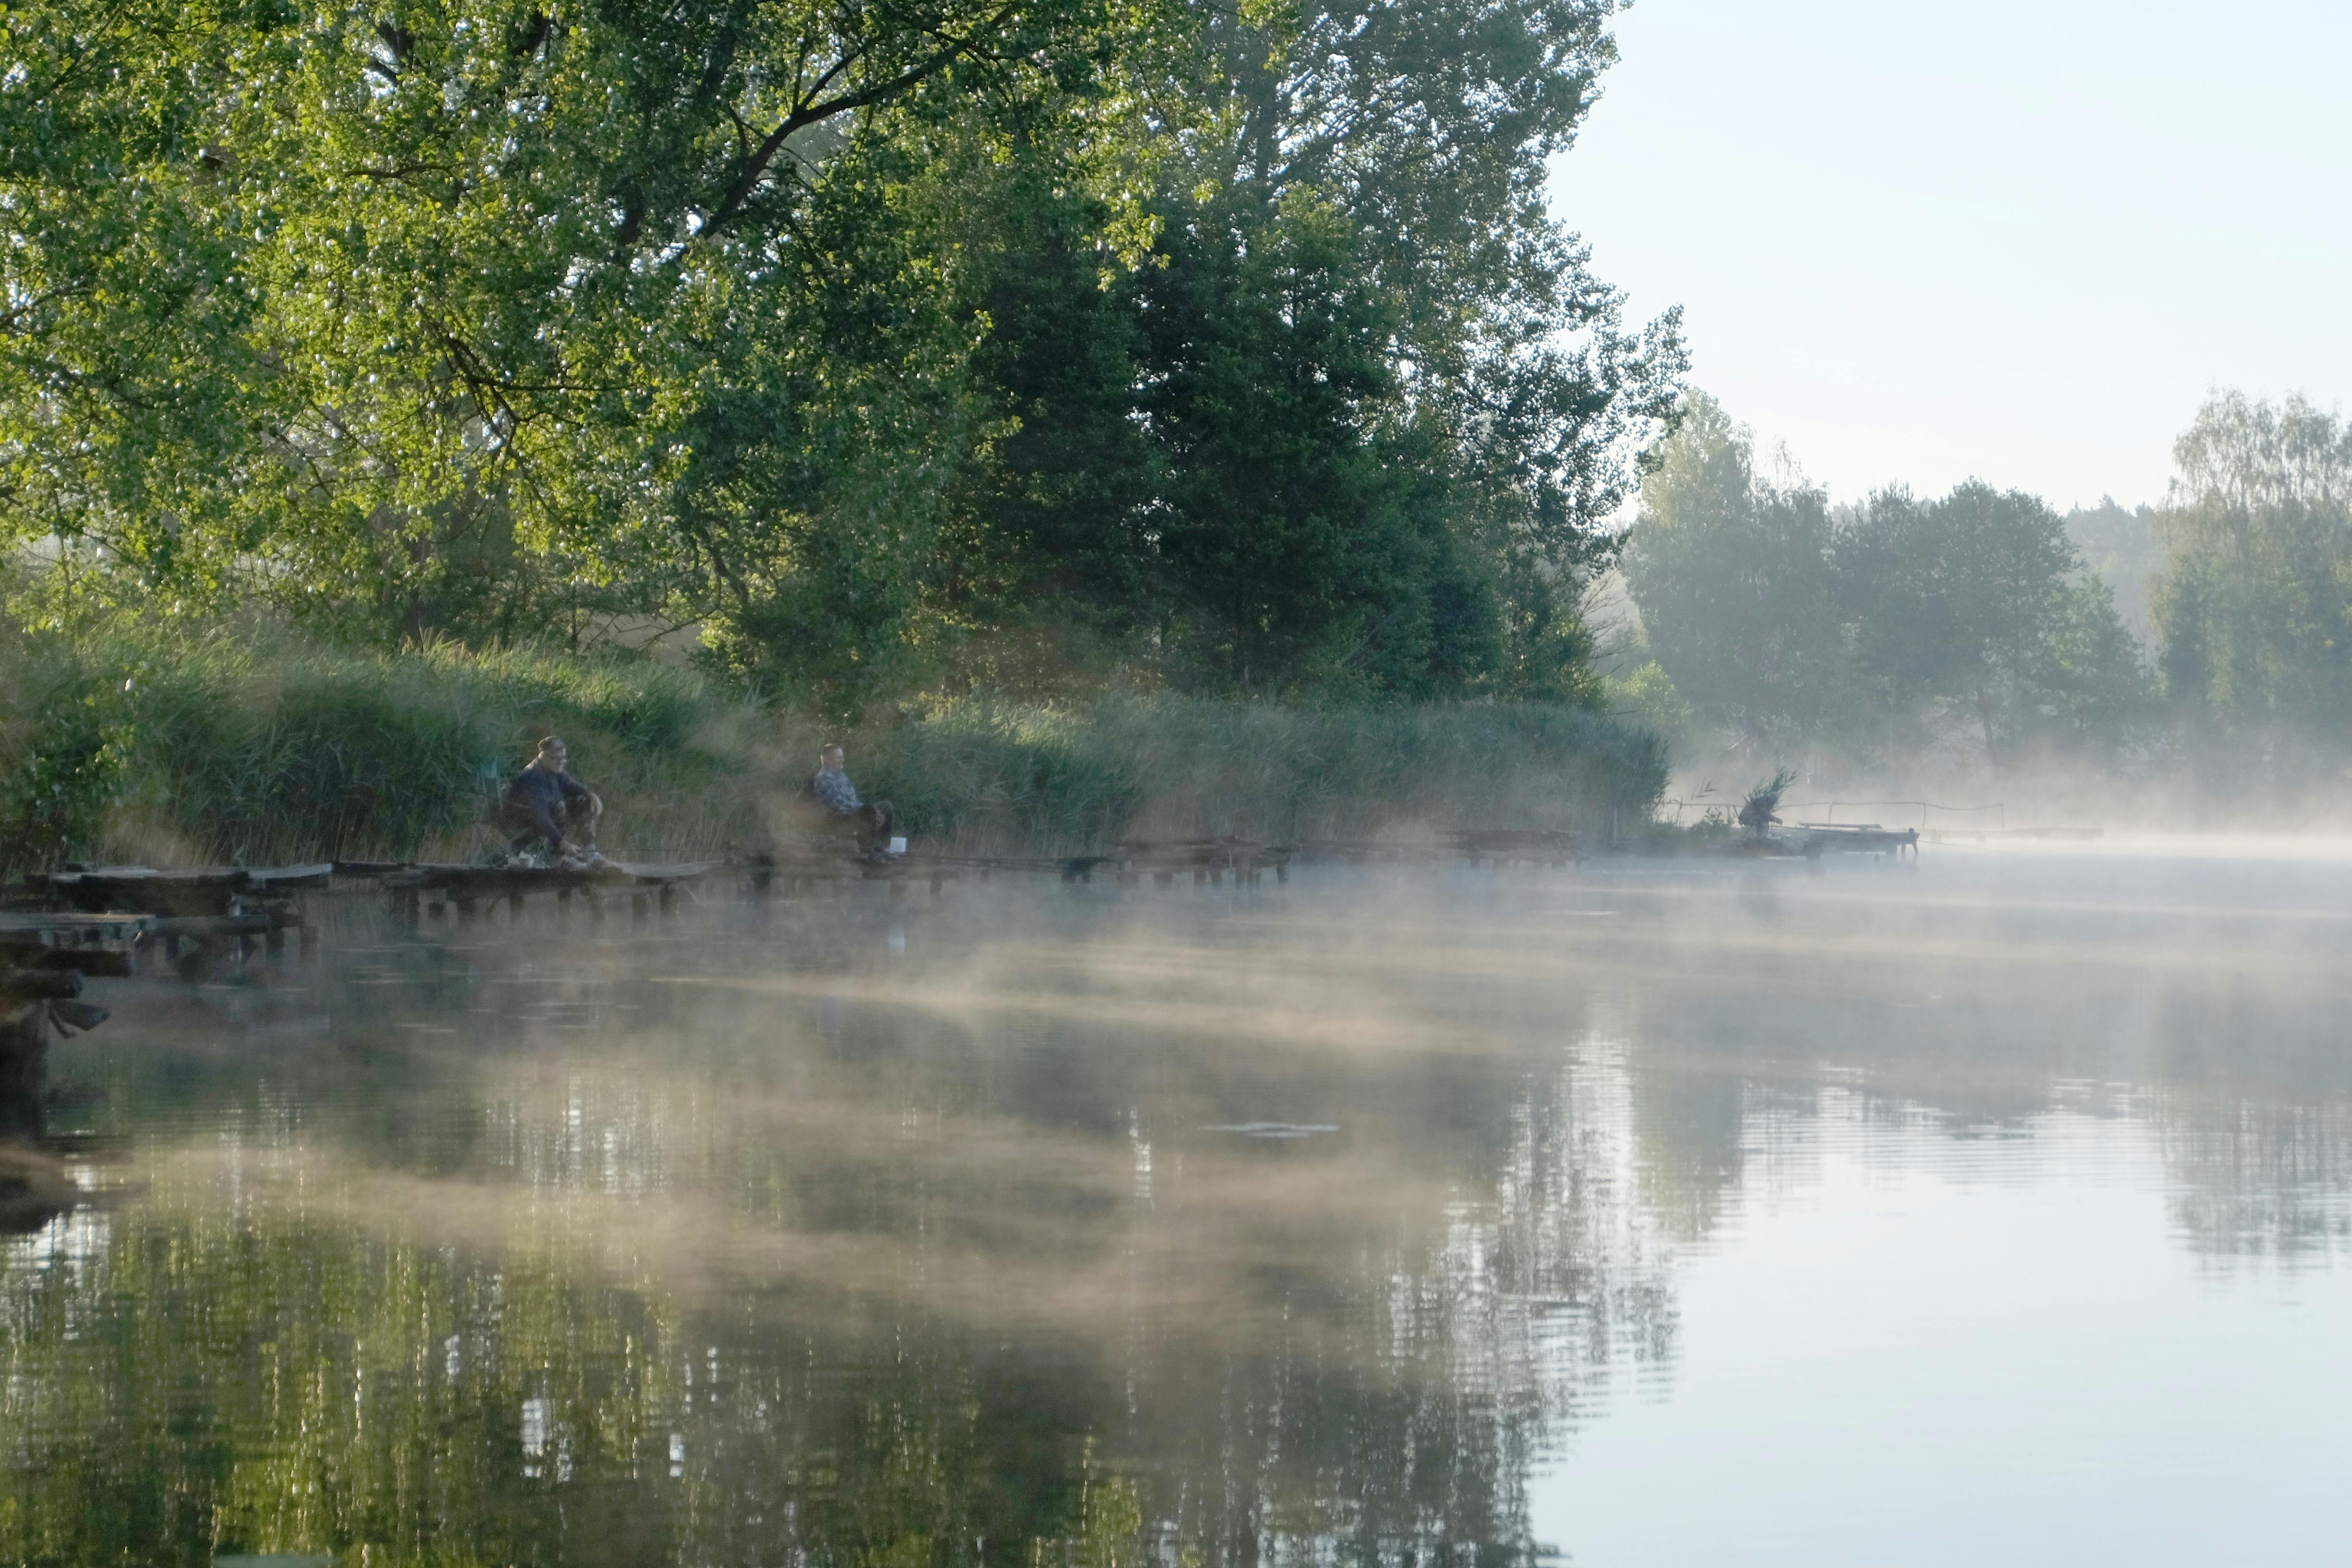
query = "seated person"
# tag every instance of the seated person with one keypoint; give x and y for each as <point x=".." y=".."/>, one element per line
<point x="840" y="809"/>
<point x="547" y="808"/>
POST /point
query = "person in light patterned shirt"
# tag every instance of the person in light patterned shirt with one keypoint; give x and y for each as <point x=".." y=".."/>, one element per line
<point x="872" y="821"/>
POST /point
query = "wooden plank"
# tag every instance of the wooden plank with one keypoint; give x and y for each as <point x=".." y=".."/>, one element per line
<point x="118" y="925"/>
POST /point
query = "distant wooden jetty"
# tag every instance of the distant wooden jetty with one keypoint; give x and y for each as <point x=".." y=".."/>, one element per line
<point x="1812" y="840"/>
<point x="1857" y="838"/>
<point x="1207" y="861"/>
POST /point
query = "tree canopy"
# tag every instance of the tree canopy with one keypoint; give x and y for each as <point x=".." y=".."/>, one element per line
<point x="1964" y="622"/>
<point x="1232" y="345"/>
<point x="2254" y="605"/>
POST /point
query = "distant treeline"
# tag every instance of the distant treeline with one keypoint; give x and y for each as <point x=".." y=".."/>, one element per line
<point x="2215" y="631"/>
<point x="872" y="348"/>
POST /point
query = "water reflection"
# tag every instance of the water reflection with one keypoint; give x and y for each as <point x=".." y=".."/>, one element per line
<point x="780" y="1241"/>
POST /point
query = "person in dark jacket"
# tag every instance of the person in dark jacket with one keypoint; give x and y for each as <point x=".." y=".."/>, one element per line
<point x="547" y="808"/>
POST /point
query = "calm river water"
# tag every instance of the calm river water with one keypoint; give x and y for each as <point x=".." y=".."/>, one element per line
<point x="1997" y="1208"/>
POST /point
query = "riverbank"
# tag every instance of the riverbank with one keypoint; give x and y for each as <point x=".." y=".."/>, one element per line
<point x="134" y="746"/>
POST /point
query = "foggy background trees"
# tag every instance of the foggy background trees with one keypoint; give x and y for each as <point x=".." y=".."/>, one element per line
<point x="1980" y="631"/>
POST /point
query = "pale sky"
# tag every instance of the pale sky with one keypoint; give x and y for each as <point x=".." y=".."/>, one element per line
<point x="2015" y="241"/>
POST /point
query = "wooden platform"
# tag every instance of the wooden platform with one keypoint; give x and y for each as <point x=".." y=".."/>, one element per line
<point x="92" y="944"/>
<point x="1507" y="846"/>
<point x="472" y="891"/>
<point x="1209" y="861"/>
<point x="1860" y="839"/>
<point x="1498" y="847"/>
<point x="194" y="890"/>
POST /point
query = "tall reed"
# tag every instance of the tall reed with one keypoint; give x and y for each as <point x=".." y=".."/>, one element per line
<point x="176" y="749"/>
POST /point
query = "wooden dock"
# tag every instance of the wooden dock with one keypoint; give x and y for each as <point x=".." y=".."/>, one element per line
<point x="1858" y="839"/>
<point x="1208" y="862"/>
<point x="471" y="892"/>
<point x="195" y="890"/>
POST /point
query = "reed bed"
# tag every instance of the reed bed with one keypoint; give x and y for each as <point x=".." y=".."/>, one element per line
<point x="246" y="744"/>
<point x="1010" y="777"/>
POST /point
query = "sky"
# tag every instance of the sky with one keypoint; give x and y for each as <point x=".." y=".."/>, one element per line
<point x="2017" y="242"/>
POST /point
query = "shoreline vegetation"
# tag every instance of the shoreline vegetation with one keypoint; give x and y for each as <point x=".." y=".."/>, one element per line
<point x="136" y="746"/>
<point x="1136" y="364"/>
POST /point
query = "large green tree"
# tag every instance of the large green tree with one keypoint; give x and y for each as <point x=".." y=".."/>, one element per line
<point x="2254" y="608"/>
<point x="1964" y="621"/>
<point x="1974" y="608"/>
<point x="1236" y="339"/>
<point x="1731" y="573"/>
<point x="368" y="304"/>
<point x="1360" y="422"/>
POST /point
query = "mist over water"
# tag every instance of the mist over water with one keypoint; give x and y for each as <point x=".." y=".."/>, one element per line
<point x="1997" y="1205"/>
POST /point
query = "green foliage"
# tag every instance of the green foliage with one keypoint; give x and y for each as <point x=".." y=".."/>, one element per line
<point x="834" y="331"/>
<point x="1355" y="430"/>
<point x="472" y="314"/>
<point x="2254" y="608"/>
<point x="1966" y="620"/>
<point x="65" y="735"/>
<point x="2120" y="547"/>
<point x="1971" y="605"/>
<point x="1731" y="573"/>
<point x="1648" y="693"/>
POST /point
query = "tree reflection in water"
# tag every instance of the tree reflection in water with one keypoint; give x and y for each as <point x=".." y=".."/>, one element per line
<point x="976" y="1257"/>
<point x="644" y="1273"/>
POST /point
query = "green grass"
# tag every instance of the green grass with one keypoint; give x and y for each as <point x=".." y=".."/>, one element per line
<point x="178" y="750"/>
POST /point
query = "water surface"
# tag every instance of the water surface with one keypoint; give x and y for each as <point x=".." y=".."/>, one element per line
<point x="1992" y="1208"/>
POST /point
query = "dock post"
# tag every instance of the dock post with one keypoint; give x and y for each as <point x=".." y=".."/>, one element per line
<point x="562" y="906"/>
<point x="939" y="884"/>
<point x="307" y="944"/>
<point x="596" y="907"/>
<point x="668" y="898"/>
<point x="637" y="909"/>
<point x="514" y="908"/>
<point x="1216" y="876"/>
<point x="274" y="942"/>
